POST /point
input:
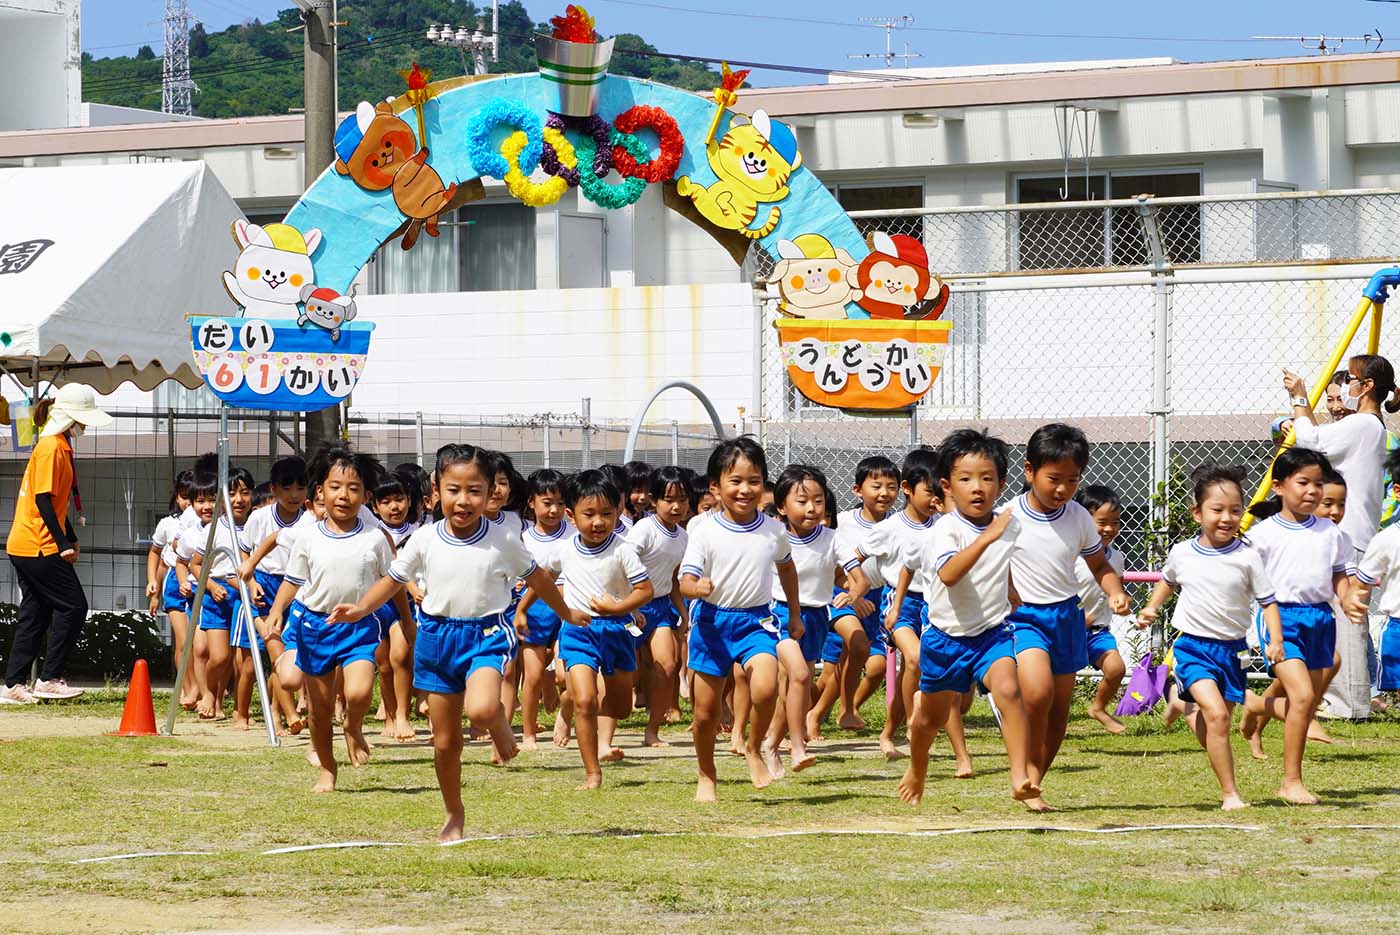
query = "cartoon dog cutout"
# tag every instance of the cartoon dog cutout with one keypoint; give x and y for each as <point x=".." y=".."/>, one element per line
<point x="894" y="280"/>
<point x="326" y="308"/>
<point x="272" y="267"/>
<point x="376" y="148"/>
<point x="814" y="279"/>
<point x="753" y="161"/>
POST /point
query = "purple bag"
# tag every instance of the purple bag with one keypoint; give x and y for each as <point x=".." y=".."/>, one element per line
<point x="1147" y="684"/>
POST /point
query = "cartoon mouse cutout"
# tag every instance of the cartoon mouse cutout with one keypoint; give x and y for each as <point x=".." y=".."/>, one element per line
<point x="894" y="280"/>
<point x="376" y="148"/>
<point x="326" y="308"/>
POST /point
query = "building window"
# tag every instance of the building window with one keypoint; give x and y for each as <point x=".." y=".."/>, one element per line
<point x="1093" y="238"/>
<point x="479" y="248"/>
<point x="883" y="196"/>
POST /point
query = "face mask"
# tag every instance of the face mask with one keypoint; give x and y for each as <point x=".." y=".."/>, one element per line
<point x="1349" y="402"/>
<point x="77" y="430"/>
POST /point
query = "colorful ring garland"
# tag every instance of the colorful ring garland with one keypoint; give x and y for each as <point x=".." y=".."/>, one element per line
<point x="664" y="166"/>
<point x="537" y="194"/>
<point x="503" y="113"/>
<point x="596" y="127"/>
<point x="601" y="193"/>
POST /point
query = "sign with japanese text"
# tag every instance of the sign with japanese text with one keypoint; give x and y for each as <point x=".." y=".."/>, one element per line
<point x="271" y="363"/>
<point x="863" y="363"/>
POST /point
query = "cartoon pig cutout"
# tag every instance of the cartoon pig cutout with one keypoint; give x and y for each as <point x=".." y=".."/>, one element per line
<point x="274" y="265"/>
<point x="326" y="308"/>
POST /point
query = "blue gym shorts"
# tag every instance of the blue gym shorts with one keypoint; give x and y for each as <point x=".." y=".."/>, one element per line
<point x="321" y="646"/>
<point x="658" y="613"/>
<point x="1057" y="630"/>
<point x="238" y="630"/>
<point x="816" y="621"/>
<point x="449" y="649"/>
<point x="270" y="585"/>
<point x="386" y="616"/>
<point x="873" y="625"/>
<point x="1309" y="633"/>
<point x="1198" y="658"/>
<point x="913" y="612"/>
<point x="170" y="597"/>
<point x="1388" y="657"/>
<point x="954" y="663"/>
<point x="1101" y="642"/>
<point x="605" y="645"/>
<point x="218" y="615"/>
<point x="541" y="624"/>
<point x="722" y="636"/>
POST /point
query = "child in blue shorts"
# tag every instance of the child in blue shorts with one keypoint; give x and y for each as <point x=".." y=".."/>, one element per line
<point x="1217" y="575"/>
<point x="604" y="582"/>
<point x="660" y="542"/>
<point x="535" y="622"/>
<point x="728" y="572"/>
<point x="823" y="562"/>
<point x="465" y="640"/>
<point x="1048" y="626"/>
<point x="163" y="585"/>
<point x="1107" y="513"/>
<point x="331" y="564"/>
<point x="1380" y="568"/>
<point x="1306" y="557"/>
<point x="968" y="559"/>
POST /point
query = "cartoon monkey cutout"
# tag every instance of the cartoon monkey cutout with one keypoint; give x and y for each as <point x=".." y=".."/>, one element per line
<point x="894" y="281"/>
<point x="753" y="161"/>
<point x="376" y="148"/>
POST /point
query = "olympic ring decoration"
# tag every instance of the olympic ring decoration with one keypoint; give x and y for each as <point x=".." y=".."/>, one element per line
<point x="537" y="194"/>
<point x="601" y="193"/>
<point x="504" y="113"/>
<point x="596" y="127"/>
<point x="664" y="166"/>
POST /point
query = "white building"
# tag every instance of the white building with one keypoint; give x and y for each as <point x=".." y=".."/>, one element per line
<point x="40" y="64"/>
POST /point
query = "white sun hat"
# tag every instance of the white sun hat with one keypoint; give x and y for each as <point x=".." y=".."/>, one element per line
<point x="74" y="402"/>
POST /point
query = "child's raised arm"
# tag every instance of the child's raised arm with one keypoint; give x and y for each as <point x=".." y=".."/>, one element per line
<point x="641" y="592"/>
<point x="380" y="593"/>
<point x="1118" y="600"/>
<point x="1160" y="595"/>
<point x="960" y="563"/>
<point x="853" y="583"/>
<point x="892" y="614"/>
<point x="254" y="559"/>
<point x="541" y="582"/>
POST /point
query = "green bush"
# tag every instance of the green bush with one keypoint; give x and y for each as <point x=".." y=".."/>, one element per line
<point x="108" y="645"/>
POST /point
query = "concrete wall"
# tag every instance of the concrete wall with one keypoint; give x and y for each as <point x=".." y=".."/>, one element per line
<point x="40" y="68"/>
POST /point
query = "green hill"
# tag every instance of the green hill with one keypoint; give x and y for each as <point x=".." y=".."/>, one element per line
<point x="255" y="68"/>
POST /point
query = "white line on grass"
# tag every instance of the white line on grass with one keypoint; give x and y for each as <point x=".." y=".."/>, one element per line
<point x="100" y="860"/>
<point x="336" y="845"/>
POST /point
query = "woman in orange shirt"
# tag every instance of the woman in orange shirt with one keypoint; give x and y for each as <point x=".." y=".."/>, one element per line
<point x="43" y="550"/>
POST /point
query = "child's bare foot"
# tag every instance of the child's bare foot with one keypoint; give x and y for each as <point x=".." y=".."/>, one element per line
<point x="205" y="707"/>
<point x="851" y="720"/>
<point x="814" y="727"/>
<point x="653" y="739"/>
<point x="738" y="747"/>
<point x="1232" y="803"/>
<point x="705" y="790"/>
<point x="501" y="756"/>
<point x="592" y="781"/>
<point x="673" y="715"/>
<point x="801" y="760"/>
<point x="963" y="769"/>
<point x="1317" y="733"/>
<point x="1109" y="722"/>
<point x="773" y="761"/>
<point x="188" y="702"/>
<point x="357" y="747"/>
<point x="1037" y="804"/>
<point x="562" y="731"/>
<point x="609" y="754"/>
<point x="1296" y="794"/>
<point x="890" y="751"/>
<point x="379" y="715"/>
<point x="325" y="782"/>
<point x="528" y="742"/>
<point x="311" y="757"/>
<point x="390" y="730"/>
<point x="758" y="771"/>
<point x="1025" y="791"/>
<point x="240" y="722"/>
<point x="423" y="707"/>
<point x="451" y="829"/>
<point x="1255" y="739"/>
<point x="404" y="732"/>
<point x="911" y="787"/>
<point x="295" y="726"/>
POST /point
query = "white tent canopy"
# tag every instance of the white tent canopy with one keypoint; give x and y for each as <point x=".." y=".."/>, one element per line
<point x="99" y="265"/>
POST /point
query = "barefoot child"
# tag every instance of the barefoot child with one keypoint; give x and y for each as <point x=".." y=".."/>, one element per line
<point x="163" y="587"/>
<point x="549" y="532"/>
<point x="823" y="564"/>
<point x="604" y="582"/>
<point x="967" y="640"/>
<point x="1380" y="568"/>
<point x="331" y="565"/>
<point x="1102" y="504"/>
<point x="1217" y="575"/>
<point x="660" y="543"/>
<point x="728" y="571"/>
<point x="1051" y="638"/>
<point x="396" y="505"/>
<point x="1306" y="558"/>
<point x="469" y="567"/>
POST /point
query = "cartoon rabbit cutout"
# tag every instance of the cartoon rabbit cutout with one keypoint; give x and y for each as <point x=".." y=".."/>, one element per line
<point x="272" y="267"/>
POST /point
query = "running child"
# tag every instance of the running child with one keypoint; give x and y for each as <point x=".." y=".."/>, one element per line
<point x="163" y="589"/>
<point x="1217" y="574"/>
<point x="638" y="497"/>
<point x="967" y="640"/>
<point x="825" y="566"/>
<point x="331" y="565"/>
<point x="728" y="571"/>
<point x="660" y="542"/>
<point x="396" y="503"/>
<point x="535" y="621"/>
<point x="1306" y="558"/>
<point x="1051" y="638"/>
<point x="604" y="583"/>
<point x="1102" y="504"/>
<point x="1380" y="568"/>
<point x="853" y="657"/>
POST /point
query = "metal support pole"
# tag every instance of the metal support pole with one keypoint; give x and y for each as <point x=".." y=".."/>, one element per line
<point x="914" y="426"/>
<point x="544" y="441"/>
<point x="418" y="437"/>
<point x="272" y="439"/>
<point x="586" y="443"/>
<point x="675" y="442"/>
<point x="756" y="408"/>
<point x="318" y="95"/>
<point x="244" y="621"/>
<point x="1161" y="359"/>
<point x="1373" y="340"/>
<point x="787" y="445"/>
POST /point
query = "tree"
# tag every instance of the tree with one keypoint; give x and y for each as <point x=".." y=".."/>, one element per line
<point x="145" y="53"/>
<point x="199" y="42"/>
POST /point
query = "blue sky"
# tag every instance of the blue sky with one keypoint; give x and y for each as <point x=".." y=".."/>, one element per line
<point x="823" y="33"/>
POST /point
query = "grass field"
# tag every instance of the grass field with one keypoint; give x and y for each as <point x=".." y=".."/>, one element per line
<point x="832" y="850"/>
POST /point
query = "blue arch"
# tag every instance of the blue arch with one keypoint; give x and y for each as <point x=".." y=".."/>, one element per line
<point x="354" y="222"/>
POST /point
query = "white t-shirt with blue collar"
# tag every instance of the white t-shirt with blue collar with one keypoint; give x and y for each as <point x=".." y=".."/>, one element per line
<point x="1301" y="558"/>
<point x="739" y="559"/>
<point x="891" y="543"/>
<point x="464" y="579"/>
<point x="816" y="556"/>
<point x="609" y="569"/>
<point x="1044" y="567"/>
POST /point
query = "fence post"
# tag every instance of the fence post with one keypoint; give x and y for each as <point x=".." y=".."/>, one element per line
<point x="758" y="414"/>
<point x="1161" y="354"/>
<point x="418" y="437"/>
<point x="544" y="445"/>
<point x="675" y="442"/>
<point x="586" y="442"/>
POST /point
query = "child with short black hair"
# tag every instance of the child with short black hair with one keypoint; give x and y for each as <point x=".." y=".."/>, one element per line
<point x="1051" y="638"/>
<point x="163" y="586"/>
<point x="396" y="503"/>
<point x="535" y="622"/>
<point x="1107" y="512"/>
<point x="637" y="494"/>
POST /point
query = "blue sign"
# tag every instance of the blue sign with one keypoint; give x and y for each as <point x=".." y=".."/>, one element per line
<point x="276" y="364"/>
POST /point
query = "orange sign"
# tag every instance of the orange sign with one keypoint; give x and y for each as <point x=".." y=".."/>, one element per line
<point x="852" y="363"/>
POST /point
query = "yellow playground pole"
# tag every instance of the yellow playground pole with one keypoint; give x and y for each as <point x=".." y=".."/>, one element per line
<point x="1363" y="308"/>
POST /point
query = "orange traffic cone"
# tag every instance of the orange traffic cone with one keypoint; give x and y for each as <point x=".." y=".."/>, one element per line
<point x="139" y="715"/>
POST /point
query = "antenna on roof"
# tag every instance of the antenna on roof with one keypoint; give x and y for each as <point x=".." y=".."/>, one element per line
<point x="1326" y="45"/>
<point x="889" y="24"/>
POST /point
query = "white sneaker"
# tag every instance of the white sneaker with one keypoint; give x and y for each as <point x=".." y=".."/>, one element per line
<point x="17" y="694"/>
<point x="56" y="689"/>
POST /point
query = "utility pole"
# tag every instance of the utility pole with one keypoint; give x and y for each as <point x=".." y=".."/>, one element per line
<point x="175" y="83"/>
<point x="319" y="111"/>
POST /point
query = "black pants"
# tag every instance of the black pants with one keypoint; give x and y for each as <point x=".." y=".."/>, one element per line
<point x="51" y="599"/>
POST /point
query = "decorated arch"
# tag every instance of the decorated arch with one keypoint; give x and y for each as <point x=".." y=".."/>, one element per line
<point x="858" y="317"/>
